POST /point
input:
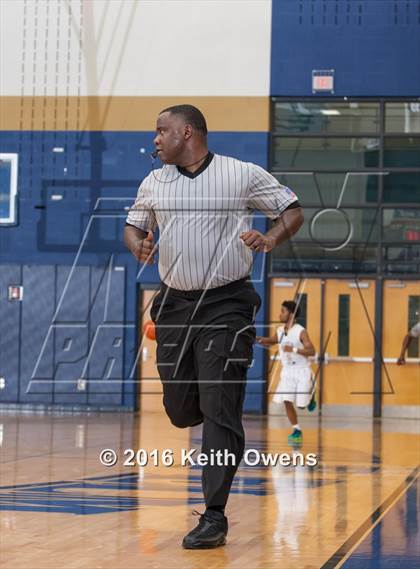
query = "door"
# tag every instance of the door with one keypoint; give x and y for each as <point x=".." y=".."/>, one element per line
<point x="349" y="318"/>
<point x="400" y="384"/>
<point x="10" y="313"/>
<point x="36" y="375"/>
<point x="107" y="336"/>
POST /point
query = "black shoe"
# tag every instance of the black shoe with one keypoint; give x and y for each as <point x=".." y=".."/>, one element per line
<point x="210" y="532"/>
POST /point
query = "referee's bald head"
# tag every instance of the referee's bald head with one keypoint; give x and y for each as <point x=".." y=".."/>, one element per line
<point x="191" y="115"/>
<point x="181" y="135"/>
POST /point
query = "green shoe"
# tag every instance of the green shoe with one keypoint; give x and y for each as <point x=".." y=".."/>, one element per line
<point x="295" y="438"/>
<point x="312" y="405"/>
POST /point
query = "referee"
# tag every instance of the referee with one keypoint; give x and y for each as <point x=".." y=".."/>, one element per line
<point x="205" y="309"/>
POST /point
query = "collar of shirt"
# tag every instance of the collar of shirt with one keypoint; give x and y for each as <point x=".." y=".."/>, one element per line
<point x="200" y="170"/>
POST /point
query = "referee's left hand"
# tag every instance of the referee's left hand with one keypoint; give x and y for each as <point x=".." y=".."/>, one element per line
<point x="257" y="241"/>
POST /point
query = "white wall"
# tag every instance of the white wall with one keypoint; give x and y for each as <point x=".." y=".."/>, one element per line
<point x="135" y="47"/>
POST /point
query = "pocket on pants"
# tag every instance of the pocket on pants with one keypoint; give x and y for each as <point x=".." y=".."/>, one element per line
<point x="155" y="307"/>
<point x="251" y="302"/>
<point x="158" y="307"/>
<point x="235" y="347"/>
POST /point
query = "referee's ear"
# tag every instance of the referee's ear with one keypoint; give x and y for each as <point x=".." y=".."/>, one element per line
<point x="149" y="236"/>
<point x="188" y="131"/>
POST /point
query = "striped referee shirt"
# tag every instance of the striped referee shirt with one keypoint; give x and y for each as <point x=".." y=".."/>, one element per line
<point x="200" y="216"/>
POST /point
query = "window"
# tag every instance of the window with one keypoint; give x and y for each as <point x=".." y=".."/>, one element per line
<point x="402" y="117"/>
<point x="325" y="153"/>
<point x="413" y="318"/>
<point x="401" y="187"/>
<point x="403" y="259"/>
<point x="401" y="225"/>
<point x="359" y="159"/>
<point x="333" y="227"/>
<point x="402" y="152"/>
<point x="334" y="240"/>
<point x="311" y="258"/>
<point x="343" y="324"/>
<point x="8" y="188"/>
<point x="326" y="189"/>
<point x="326" y="117"/>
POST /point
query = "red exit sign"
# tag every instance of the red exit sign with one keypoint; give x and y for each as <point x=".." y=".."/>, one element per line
<point x="323" y="81"/>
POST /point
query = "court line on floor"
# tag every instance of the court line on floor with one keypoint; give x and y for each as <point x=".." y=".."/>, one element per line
<point x="346" y="549"/>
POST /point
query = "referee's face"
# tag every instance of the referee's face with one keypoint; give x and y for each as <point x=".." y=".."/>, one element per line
<point x="171" y="136"/>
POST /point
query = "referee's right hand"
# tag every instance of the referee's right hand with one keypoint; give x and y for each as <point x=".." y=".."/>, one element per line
<point x="145" y="249"/>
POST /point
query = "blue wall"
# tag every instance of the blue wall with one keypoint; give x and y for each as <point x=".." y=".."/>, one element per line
<point x="373" y="45"/>
<point x="40" y="250"/>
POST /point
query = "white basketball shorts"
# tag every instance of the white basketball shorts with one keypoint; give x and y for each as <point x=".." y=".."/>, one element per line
<point x="295" y="386"/>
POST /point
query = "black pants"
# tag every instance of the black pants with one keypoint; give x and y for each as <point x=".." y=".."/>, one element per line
<point x="204" y="347"/>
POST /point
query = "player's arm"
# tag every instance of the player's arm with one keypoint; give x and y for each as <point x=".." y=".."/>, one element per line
<point x="308" y="348"/>
<point x="266" y="340"/>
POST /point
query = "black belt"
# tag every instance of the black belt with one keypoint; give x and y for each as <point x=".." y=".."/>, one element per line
<point x="196" y="293"/>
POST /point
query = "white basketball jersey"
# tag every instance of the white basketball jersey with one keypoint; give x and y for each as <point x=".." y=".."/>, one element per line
<point x="292" y="336"/>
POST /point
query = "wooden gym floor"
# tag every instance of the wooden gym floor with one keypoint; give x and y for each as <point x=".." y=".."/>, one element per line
<point x="60" y="507"/>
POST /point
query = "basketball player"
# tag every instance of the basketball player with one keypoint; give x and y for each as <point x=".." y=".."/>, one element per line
<point x="295" y="347"/>
<point x="413" y="333"/>
<point x="204" y="312"/>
